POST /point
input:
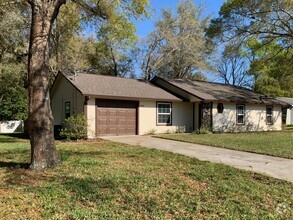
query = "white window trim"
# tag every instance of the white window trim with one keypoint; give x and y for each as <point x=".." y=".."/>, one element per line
<point x="168" y="103"/>
<point x="237" y="114"/>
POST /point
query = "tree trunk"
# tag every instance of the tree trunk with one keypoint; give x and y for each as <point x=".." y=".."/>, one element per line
<point x="40" y="119"/>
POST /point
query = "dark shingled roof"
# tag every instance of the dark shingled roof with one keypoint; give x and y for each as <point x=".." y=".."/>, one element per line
<point x="286" y="99"/>
<point x="209" y="91"/>
<point x="116" y="87"/>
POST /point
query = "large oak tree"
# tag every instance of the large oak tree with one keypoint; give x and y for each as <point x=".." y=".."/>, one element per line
<point x="44" y="14"/>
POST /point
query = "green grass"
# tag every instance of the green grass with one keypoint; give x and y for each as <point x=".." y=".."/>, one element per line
<point x="106" y="180"/>
<point x="288" y="127"/>
<point x="279" y="144"/>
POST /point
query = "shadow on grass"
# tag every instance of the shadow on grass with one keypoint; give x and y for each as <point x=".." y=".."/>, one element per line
<point x="8" y="140"/>
<point x="14" y="165"/>
<point x="16" y="135"/>
<point x="12" y="137"/>
<point x="89" y="185"/>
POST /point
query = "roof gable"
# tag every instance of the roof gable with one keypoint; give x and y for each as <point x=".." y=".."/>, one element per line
<point x="116" y="87"/>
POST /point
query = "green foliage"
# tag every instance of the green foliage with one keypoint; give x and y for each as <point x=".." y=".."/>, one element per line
<point x="151" y="132"/>
<point x="272" y="68"/>
<point x="114" y="48"/>
<point x="14" y="32"/>
<point x="268" y="20"/>
<point x="203" y="130"/>
<point x="65" y="48"/>
<point x="74" y="127"/>
<point x="264" y="30"/>
<point x="13" y="95"/>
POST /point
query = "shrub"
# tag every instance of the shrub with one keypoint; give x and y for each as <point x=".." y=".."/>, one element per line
<point x="168" y="131"/>
<point x="204" y="130"/>
<point x="151" y="132"/>
<point x="180" y="129"/>
<point x="74" y="127"/>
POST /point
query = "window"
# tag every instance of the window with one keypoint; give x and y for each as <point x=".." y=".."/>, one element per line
<point x="269" y="115"/>
<point x="164" y="115"/>
<point x="240" y="110"/>
<point x="67" y="109"/>
<point x="220" y="107"/>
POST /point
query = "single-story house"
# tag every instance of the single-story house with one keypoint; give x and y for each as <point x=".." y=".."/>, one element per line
<point x="287" y="112"/>
<point x="120" y="106"/>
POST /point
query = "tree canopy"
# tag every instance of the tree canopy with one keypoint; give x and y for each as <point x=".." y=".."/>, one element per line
<point x="178" y="47"/>
<point x="268" y="20"/>
<point x="264" y="29"/>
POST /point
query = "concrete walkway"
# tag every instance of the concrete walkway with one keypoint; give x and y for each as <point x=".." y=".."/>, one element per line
<point x="272" y="166"/>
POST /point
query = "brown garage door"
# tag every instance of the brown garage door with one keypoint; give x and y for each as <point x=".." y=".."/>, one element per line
<point x="115" y="117"/>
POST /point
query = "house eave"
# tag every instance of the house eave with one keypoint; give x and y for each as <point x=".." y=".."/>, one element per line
<point x="131" y="98"/>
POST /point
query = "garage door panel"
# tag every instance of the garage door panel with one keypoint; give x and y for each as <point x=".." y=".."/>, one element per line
<point x="130" y="122"/>
<point x="116" y="117"/>
<point x="102" y="122"/>
<point x="112" y="130"/>
<point x="102" y="130"/>
<point x="112" y="112"/>
<point x="112" y="121"/>
<point x="121" y="130"/>
<point x="103" y="112"/>
<point x="130" y="113"/>
<point x="121" y="122"/>
<point x="129" y="130"/>
<point x="121" y="113"/>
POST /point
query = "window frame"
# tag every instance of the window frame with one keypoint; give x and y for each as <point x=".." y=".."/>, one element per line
<point x="237" y="105"/>
<point x="158" y="113"/>
<point x="220" y="108"/>
<point x="65" y="110"/>
<point x="271" y="115"/>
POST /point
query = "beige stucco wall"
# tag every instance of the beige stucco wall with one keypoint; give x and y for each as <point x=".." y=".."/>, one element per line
<point x="255" y="118"/>
<point x="90" y="111"/>
<point x="181" y="118"/>
<point x="65" y="92"/>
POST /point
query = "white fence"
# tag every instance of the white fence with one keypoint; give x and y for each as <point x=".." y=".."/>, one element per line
<point x="11" y="126"/>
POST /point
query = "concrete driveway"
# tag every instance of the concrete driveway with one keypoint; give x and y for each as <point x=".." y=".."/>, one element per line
<point x="272" y="166"/>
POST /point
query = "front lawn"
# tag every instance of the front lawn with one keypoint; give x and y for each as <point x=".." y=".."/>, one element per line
<point x="106" y="180"/>
<point x="279" y="144"/>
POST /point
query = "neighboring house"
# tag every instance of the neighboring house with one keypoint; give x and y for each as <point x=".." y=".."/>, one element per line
<point x="287" y="112"/>
<point x="11" y="126"/>
<point x="120" y="106"/>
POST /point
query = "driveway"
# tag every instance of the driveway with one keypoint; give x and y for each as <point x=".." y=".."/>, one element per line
<point x="272" y="166"/>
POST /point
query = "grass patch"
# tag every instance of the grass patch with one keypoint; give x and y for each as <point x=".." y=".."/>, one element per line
<point x="279" y="144"/>
<point x="288" y="128"/>
<point x="98" y="180"/>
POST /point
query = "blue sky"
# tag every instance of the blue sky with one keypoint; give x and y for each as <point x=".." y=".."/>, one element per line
<point x="212" y="8"/>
